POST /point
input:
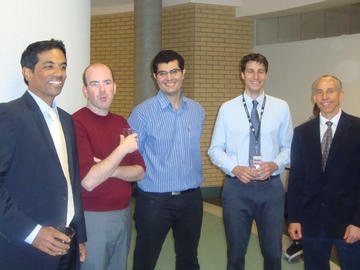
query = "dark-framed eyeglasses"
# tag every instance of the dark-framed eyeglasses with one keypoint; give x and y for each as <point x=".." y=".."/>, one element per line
<point x="172" y="72"/>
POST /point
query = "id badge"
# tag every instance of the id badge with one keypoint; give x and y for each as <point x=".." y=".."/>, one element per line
<point x="256" y="160"/>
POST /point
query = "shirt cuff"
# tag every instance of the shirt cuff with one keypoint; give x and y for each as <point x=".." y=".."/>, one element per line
<point x="281" y="167"/>
<point x="33" y="234"/>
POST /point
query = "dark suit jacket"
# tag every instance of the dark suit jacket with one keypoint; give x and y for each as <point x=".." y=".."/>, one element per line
<point x="332" y="198"/>
<point x="33" y="187"/>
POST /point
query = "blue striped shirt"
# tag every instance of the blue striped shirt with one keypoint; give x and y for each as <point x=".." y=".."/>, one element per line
<point x="169" y="142"/>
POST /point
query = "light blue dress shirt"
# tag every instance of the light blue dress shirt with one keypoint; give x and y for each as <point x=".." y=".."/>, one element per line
<point x="169" y="142"/>
<point x="230" y="141"/>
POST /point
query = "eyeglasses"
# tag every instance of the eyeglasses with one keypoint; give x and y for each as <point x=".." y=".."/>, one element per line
<point x="96" y="84"/>
<point x="173" y="72"/>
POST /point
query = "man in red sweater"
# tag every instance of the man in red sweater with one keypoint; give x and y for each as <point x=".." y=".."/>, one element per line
<point x="109" y="161"/>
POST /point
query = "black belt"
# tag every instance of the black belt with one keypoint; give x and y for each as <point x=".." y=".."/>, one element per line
<point x="258" y="181"/>
<point x="176" y="193"/>
<point x="173" y="193"/>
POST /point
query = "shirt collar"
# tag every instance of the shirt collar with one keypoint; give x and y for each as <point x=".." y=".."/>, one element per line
<point x="334" y="120"/>
<point x="44" y="107"/>
<point x="259" y="99"/>
<point x="164" y="102"/>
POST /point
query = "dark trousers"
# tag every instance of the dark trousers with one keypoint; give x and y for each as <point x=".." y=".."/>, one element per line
<point x="317" y="253"/>
<point x="155" y="214"/>
<point x="244" y="203"/>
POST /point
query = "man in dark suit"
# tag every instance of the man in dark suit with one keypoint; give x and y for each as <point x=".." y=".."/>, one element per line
<point x="39" y="176"/>
<point x="324" y="183"/>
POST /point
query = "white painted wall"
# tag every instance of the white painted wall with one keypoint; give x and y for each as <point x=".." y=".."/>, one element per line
<point x="253" y="8"/>
<point x="23" y="22"/>
<point x="293" y="67"/>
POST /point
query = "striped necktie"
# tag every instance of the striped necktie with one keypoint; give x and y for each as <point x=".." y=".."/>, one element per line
<point x="325" y="144"/>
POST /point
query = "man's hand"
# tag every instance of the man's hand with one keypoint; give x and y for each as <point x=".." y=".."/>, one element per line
<point x="130" y="142"/>
<point x="243" y="173"/>
<point x="82" y="249"/>
<point x="352" y="234"/>
<point x="295" y="231"/>
<point x="51" y="241"/>
<point x="265" y="170"/>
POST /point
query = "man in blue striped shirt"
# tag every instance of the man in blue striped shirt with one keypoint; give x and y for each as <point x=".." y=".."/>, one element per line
<point x="169" y="128"/>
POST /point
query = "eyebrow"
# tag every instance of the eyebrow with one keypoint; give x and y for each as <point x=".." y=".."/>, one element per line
<point x="170" y="69"/>
<point x="52" y="62"/>
<point x="106" y="80"/>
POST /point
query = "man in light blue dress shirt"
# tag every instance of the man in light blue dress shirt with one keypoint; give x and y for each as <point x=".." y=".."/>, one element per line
<point x="253" y="189"/>
<point x="169" y="128"/>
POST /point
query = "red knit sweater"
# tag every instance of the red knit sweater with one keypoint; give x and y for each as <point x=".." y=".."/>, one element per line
<point x="97" y="136"/>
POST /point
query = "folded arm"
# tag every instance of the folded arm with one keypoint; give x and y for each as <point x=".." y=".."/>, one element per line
<point x="109" y="167"/>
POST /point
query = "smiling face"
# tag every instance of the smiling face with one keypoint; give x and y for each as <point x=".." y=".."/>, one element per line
<point x="100" y="88"/>
<point x="49" y="75"/>
<point x="327" y="96"/>
<point x="254" y="78"/>
<point x="169" y="78"/>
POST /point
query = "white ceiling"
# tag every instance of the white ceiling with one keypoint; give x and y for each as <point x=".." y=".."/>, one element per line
<point x="96" y="3"/>
<point x="244" y="8"/>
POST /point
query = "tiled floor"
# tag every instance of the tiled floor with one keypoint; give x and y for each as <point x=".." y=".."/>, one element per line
<point x="286" y="239"/>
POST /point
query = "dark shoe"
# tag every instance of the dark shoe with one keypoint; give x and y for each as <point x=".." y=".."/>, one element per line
<point x="294" y="251"/>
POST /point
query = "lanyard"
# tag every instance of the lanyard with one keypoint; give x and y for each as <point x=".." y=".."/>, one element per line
<point x="249" y="118"/>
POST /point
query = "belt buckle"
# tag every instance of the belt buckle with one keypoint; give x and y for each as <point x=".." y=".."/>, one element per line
<point x="175" y="193"/>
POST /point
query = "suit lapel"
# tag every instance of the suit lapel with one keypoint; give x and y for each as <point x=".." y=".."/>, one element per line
<point x="339" y="139"/>
<point x="39" y="120"/>
<point x="314" y="142"/>
<point x="67" y="129"/>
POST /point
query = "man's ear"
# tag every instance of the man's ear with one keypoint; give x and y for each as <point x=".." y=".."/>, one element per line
<point x="243" y="75"/>
<point x="341" y="95"/>
<point x="27" y="73"/>
<point x="114" y="88"/>
<point x="84" y="90"/>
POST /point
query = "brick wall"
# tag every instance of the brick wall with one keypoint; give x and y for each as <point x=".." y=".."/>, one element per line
<point x="221" y="40"/>
<point x="112" y="43"/>
<point x="210" y="38"/>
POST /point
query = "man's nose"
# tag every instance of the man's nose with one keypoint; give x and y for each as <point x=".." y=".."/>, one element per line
<point x="58" y="71"/>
